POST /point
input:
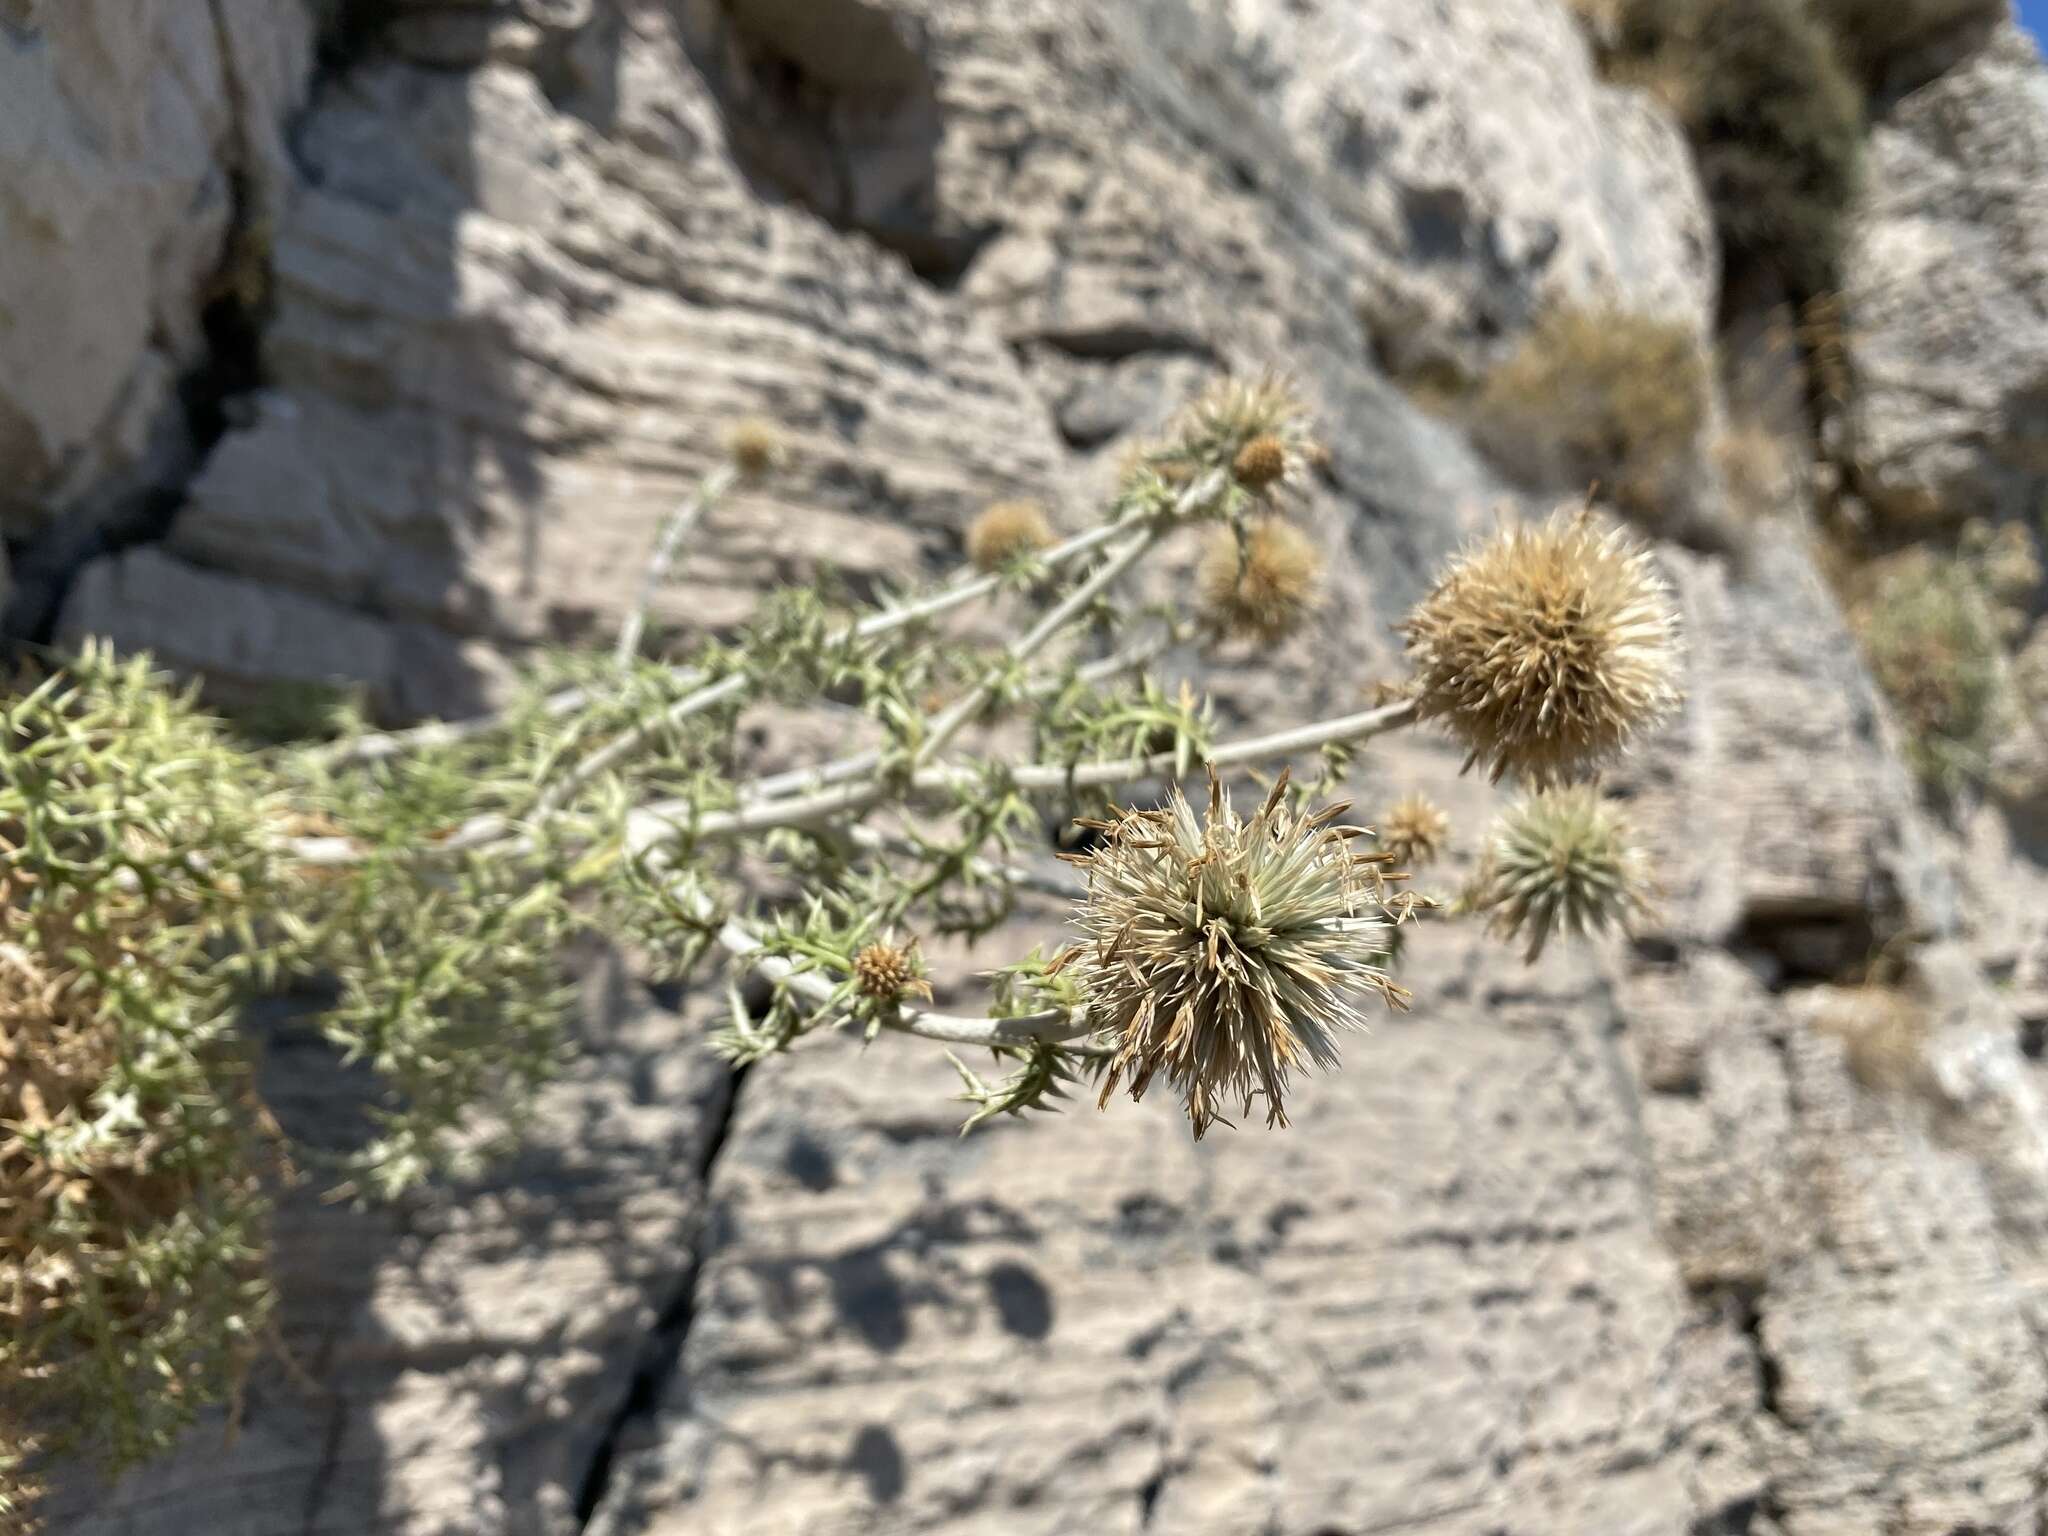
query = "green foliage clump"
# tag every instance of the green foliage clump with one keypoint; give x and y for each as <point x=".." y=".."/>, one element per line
<point x="131" y="1210"/>
<point x="1931" y="639"/>
<point x="1775" y="118"/>
<point x="1598" y="396"/>
<point x="1873" y="33"/>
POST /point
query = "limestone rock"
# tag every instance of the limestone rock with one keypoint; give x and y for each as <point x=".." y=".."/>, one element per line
<point x="123" y="125"/>
<point x="1946" y="332"/>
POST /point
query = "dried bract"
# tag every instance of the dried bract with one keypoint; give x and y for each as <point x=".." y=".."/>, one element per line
<point x="1226" y="952"/>
<point x="1546" y="650"/>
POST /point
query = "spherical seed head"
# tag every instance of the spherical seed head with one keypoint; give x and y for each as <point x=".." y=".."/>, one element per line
<point x="1562" y="861"/>
<point x="755" y="447"/>
<point x="1548" y="649"/>
<point x="1005" y="530"/>
<point x="1414" y="831"/>
<point x="885" y="971"/>
<point x="1227" y="952"/>
<point x="1261" y="584"/>
<point x="1260" y="463"/>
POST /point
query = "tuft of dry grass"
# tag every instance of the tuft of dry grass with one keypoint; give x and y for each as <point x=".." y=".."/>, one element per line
<point x="1598" y="396"/>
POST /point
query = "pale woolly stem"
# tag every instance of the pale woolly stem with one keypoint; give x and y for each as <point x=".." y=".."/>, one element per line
<point x="1051" y="1026"/>
<point x="958" y="591"/>
<point x="1030" y="778"/>
<point x="653" y="821"/>
<point x="629" y="743"/>
<point x="797" y="781"/>
<point x="679" y="526"/>
<point x="1029" y="644"/>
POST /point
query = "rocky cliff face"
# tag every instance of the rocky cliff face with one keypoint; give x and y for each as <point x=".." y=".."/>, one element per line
<point x="1638" y="1240"/>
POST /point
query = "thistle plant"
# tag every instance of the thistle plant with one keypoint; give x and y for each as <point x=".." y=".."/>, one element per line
<point x="156" y="873"/>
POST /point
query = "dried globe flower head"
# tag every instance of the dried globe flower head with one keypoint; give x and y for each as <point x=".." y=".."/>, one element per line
<point x="1227" y="952"/>
<point x="1260" y="463"/>
<point x="1547" y="649"/>
<point x="1260" y="583"/>
<point x="886" y="973"/>
<point x="1414" y="831"/>
<point x="1005" y="530"/>
<point x="755" y="448"/>
<point x="1561" y="861"/>
<point x="1263" y="416"/>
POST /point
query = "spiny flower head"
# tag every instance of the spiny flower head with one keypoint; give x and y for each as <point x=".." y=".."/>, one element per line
<point x="1005" y="530"/>
<point x="1547" y="649"/>
<point x="1256" y="430"/>
<point x="886" y="972"/>
<point x="1414" y="831"/>
<point x="1260" y="582"/>
<point x="1561" y="861"/>
<point x="1227" y="951"/>
<point x="755" y="448"/>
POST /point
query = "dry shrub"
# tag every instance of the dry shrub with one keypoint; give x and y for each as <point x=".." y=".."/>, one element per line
<point x="1599" y="396"/>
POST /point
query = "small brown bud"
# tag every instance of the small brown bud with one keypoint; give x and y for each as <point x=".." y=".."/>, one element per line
<point x="1261" y="463"/>
<point x="755" y="448"/>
